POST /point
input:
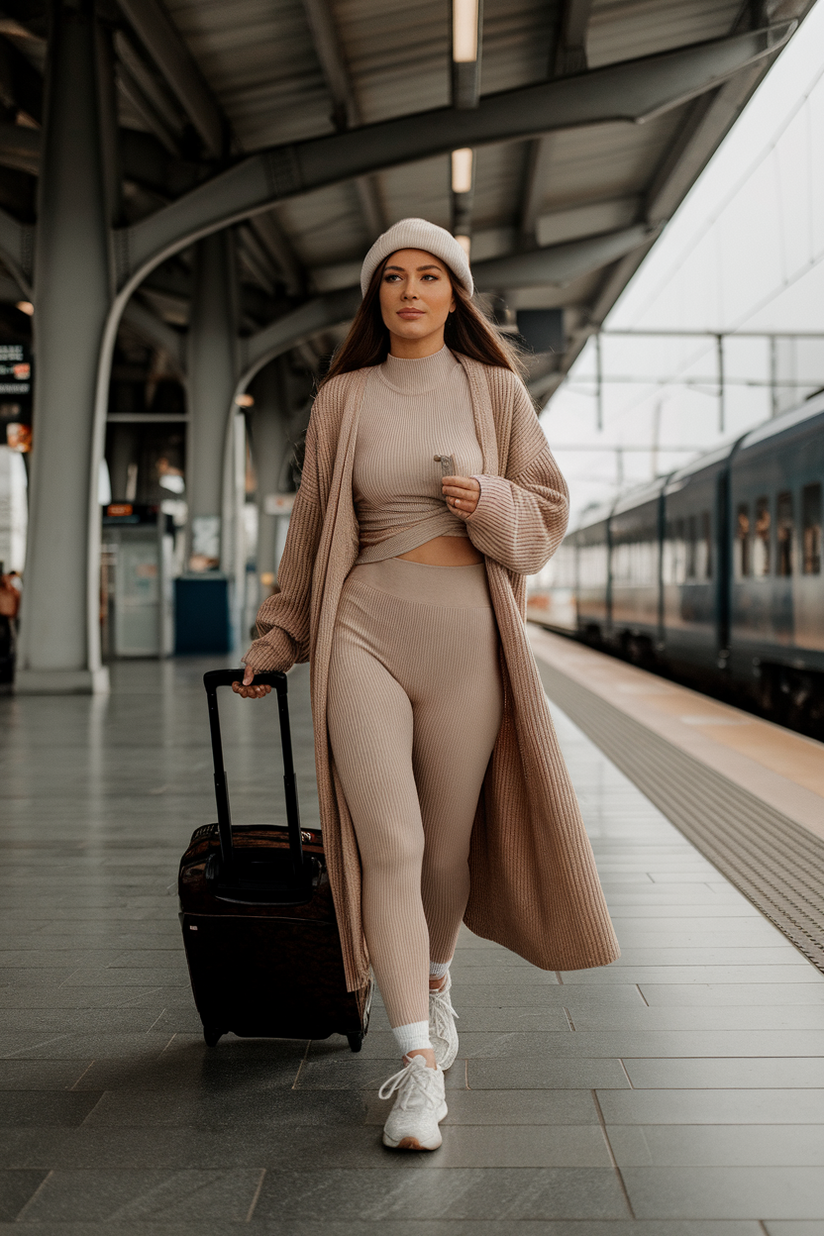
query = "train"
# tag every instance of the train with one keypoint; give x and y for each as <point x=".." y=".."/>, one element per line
<point x="711" y="574"/>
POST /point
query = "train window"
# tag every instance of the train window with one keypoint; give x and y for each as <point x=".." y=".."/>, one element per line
<point x="784" y="528"/>
<point x="634" y="563"/>
<point x="742" y="539"/>
<point x="703" y="565"/>
<point x="811" y="524"/>
<point x="761" y="542"/>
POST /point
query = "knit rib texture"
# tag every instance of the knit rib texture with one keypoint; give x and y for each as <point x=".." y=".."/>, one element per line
<point x="413" y="411"/>
<point x="534" y="885"/>
<point x="418" y="234"/>
<point x="414" y="707"/>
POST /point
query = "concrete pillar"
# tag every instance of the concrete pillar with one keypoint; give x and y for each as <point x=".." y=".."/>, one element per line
<point x="72" y="296"/>
<point x="212" y="374"/>
<point x="270" y="451"/>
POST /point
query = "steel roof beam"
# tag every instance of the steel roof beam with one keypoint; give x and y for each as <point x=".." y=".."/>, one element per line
<point x="147" y="94"/>
<point x="257" y="259"/>
<point x="631" y="91"/>
<point x="345" y="111"/>
<point x="570" y="54"/>
<point x="167" y="48"/>
<point x="16" y="250"/>
<point x="569" y="58"/>
<point x="710" y="120"/>
<point x="539" y="156"/>
<point x="294" y="328"/>
<point x="335" y="73"/>
<point x="466" y="69"/>
<point x="559" y="265"/>
<point x="154" y="331"/>
<point x="154" y="122"/>
<point x="269" y="232"/>
<point x="553" y="266"/>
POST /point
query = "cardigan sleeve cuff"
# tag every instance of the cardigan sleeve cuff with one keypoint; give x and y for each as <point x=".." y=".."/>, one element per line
<point x="274" y="651"/>
<point x="493" y="489"/>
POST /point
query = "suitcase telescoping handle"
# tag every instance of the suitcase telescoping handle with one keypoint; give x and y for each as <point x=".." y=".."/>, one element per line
<point x="224" y="678"/>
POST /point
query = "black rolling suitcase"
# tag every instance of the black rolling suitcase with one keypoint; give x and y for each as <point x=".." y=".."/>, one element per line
<point x="259" y="927"/>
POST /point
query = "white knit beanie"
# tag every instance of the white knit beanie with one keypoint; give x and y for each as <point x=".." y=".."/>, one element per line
<point x="418" y="234"/>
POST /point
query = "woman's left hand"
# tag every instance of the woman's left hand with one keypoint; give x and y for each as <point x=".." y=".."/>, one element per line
<point x="461" y="493"/>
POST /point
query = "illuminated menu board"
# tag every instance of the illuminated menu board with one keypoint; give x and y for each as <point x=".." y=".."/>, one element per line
<point x="15" y="371"/>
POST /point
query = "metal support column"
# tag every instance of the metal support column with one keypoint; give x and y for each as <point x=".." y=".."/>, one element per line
<point x="72" y="297"/>
<point x="599" y="384"/>
<point x="719" y="349"/>
<point x="203" y="602"/>
<point x="270" y="450"/>
<point x="212" y="370"/>
<point x="773" y="342"/>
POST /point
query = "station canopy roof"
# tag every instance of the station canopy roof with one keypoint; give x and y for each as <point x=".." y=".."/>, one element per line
<point x="589" y="120"/>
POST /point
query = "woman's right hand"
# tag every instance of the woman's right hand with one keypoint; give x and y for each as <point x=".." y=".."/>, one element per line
<point x="248" y="689"/>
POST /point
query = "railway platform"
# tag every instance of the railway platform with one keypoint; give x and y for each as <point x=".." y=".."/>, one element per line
<point x="675" y="1093"/>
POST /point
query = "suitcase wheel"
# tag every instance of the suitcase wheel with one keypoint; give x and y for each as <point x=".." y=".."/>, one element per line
<point x="212" y="1035"/>
<point x="355" y="1040"/>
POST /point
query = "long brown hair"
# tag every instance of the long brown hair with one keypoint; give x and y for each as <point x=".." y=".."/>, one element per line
<point x="468" y="330"/>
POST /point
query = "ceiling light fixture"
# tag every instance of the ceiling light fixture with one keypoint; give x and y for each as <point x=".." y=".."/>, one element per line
<point x="464" y="31"/>
<point x="462" y="170"/>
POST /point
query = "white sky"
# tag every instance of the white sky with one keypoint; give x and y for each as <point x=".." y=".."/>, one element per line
<point x="745" y="252"/>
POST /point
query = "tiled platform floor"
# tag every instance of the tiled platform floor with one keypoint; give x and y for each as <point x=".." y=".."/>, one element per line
<point x="678" y="1093"/>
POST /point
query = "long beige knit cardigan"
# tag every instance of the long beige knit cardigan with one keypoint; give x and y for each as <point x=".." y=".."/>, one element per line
<point x="534" y="887"/>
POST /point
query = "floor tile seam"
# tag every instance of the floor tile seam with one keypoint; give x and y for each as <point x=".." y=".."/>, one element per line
<point x="161" y="1014"/>
<point x="256" y="1196"/>
<point x="431" y="1165"/>
<point x="34" y="1195"/>
<point x="77" y="1082"/>
<point x="615" y="1167"/>
<point x="33" y="1046"/>
<point x="304" y="1060"/>
<point x="100" y="1099"/>
<point x="626" y="1074"/>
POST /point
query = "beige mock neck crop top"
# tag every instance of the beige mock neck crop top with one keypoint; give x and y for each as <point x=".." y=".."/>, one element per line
<point x="412" y="411"/>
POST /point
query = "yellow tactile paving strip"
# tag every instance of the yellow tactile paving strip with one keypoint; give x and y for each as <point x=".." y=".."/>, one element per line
<point x="784" y="769"/>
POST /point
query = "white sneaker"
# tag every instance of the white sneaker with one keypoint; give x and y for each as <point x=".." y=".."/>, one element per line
<point x="419" y="1108"/>
<point x="442" y="1033"/>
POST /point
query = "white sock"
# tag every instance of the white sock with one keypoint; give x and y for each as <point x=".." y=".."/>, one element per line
<point x="413" y="1037"/>
<point x="437" y="969"/>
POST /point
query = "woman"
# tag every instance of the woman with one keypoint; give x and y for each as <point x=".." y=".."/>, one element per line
<point x="428" y="494"/>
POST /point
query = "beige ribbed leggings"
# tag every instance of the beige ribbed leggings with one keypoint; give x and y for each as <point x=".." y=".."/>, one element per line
<point x="414" y="706"/>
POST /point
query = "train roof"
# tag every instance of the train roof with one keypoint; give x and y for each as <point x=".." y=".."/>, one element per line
<point x="788" y="420"/>
<point x="674" y="481"/>
<point x="594" y="515"/>
<point x="697" y="465"/>
<point x="638" y="495"/>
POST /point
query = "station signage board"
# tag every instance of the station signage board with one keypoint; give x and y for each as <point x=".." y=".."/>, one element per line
<point x="15" y="372"/>
<point x="15" y="396"/>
